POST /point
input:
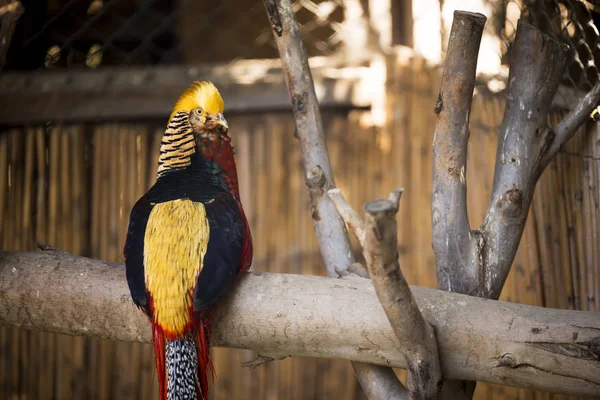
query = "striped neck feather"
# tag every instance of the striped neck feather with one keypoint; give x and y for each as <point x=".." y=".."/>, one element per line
<point x="177" y="146"/>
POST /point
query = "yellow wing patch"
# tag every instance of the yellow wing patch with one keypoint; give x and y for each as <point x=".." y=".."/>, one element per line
<point x="175" y="243"/>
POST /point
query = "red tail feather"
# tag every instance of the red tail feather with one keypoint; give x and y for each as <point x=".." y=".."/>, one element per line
<point x="204" y="360"/>
<point x="158" y="340"/>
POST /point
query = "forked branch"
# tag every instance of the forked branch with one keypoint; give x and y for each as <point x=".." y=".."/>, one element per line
<point x="477" y="262"/>
<point x="378" y="237"/>
<point x="537" y="66"/>
<point x="329" y="227"/>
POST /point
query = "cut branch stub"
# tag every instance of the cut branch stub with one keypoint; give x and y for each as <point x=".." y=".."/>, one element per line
<point x="416" y="336"/>
<point x="449" y="198"/>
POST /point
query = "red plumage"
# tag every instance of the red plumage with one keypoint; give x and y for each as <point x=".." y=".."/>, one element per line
<point x="217" y="147"/>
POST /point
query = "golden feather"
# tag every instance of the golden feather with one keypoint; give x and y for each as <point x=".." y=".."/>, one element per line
<point x="201" y="94"/>
<point x="175" y="243"/>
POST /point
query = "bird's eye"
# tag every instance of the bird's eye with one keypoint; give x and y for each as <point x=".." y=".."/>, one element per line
<point x="198" y="111"/>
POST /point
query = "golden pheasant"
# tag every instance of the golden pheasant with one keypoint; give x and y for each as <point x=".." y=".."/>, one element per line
<point x="188" y="241"/>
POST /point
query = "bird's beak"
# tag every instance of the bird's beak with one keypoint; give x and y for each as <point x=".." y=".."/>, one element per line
<point x="220" y="120"/>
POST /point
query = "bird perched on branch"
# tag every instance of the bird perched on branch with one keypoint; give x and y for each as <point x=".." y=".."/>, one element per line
<point x="188" y="241"/>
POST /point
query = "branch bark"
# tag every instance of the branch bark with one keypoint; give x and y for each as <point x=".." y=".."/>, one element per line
<point x="416" y="336"/>
<point x="378" y="239"/>
<point x="537" y="66"/>
<point x="349" y="215"/>
<point x="281" y="315"/>
<point x="450" y="223"/>
<point x="477" y="262"/>
<point x="309" y="128"/>
<point x="331" y="233"/>
<point x="569" y="125"/>
<point x="9" y="15"/>
<point x="451" y="236"/>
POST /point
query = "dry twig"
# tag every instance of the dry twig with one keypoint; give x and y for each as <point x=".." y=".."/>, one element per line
<point x="349" y="215"/>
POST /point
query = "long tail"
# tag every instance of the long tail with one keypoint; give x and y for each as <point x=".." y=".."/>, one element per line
<point x="183" y="364"/>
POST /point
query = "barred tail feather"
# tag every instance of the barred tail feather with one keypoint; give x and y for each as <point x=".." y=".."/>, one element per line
<point x="183" y="364"/>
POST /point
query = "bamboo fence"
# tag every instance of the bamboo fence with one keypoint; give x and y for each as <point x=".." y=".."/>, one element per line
<point x="72" y="186"/>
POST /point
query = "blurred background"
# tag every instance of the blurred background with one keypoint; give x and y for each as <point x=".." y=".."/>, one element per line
<point x="85" y="91"/>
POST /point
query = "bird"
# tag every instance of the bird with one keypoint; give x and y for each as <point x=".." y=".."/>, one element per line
<point x="212" y="139"/>
<point x="188" y="242"/>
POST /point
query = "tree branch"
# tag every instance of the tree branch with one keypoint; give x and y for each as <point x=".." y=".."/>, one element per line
<point x="377" y="237"/>
<point x="9" y="15"/>
<point x="478" y="263"/>
<point x="329" y="227"/>
<point x="569" y="125"/>
<point x="348" y="214"/>
<point x="451" y="233"/>
<point x="379" y="382"/>
<point x="309" y="128"/>
<point x="416" y="336"/>
<point x="294" y="315"/>
<point x="450" y="223"/>
<point x="537" y="66"/>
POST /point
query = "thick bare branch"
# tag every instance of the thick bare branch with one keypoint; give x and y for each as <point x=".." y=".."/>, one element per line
<point x="329" y="227"/>
<point x="480" y="263"/>
<point x="416" y="336"/>
<point x="9" y="15"/>
<point x="537" y="66"/>
<point x="294" y="315"/>
<point x="451" y="243"/>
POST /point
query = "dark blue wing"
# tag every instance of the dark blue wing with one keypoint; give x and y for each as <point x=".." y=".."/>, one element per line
<point x="134" y="253"/>
<point x="223" y="255"/>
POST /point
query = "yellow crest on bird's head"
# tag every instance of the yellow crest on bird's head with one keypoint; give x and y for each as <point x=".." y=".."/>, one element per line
<point x="201" y="94"/>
